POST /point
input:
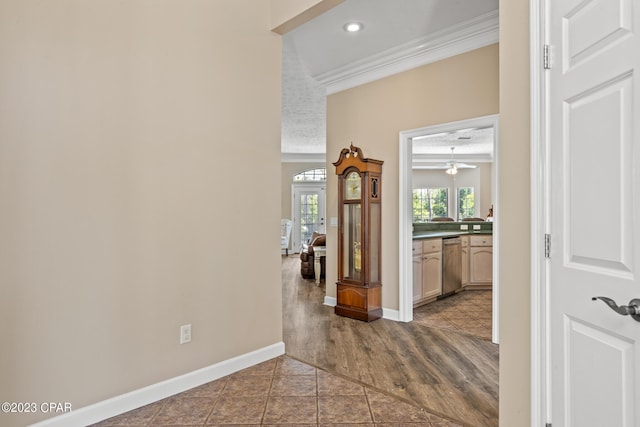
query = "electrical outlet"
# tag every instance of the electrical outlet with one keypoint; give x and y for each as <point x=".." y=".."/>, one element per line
<point x="464" y="226"/>
<point x="476" y="227"/>
<point x="185" y="334"/>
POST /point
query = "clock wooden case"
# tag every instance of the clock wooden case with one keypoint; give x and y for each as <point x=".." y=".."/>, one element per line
<point x="359" y="290"/>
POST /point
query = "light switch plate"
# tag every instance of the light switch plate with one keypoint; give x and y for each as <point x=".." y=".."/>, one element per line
<point x="185" y="333"/>
<point x="333" y="221"/>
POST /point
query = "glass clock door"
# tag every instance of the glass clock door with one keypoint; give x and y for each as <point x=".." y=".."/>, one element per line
<point x="352" y="242"/>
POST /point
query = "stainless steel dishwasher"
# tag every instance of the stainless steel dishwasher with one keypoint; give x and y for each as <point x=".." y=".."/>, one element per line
<point x="451" y="266"/>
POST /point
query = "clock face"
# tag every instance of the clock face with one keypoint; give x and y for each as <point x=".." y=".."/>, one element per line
<point x="353" y="185"/>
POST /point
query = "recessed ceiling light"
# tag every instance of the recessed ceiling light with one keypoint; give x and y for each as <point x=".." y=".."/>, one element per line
<point x="352" y="27"/>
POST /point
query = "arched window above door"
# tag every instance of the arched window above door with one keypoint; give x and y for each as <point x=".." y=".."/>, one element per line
<point x="318" y="174"/>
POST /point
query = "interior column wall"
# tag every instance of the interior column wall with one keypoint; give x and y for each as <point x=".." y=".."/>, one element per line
<point x="515" y="215"/>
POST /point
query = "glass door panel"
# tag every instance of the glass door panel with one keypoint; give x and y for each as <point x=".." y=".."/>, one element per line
<point x="352" y="241"/>
<point x="308" y="213"/>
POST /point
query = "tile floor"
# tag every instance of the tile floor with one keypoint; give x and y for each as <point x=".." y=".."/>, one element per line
<point x="281" y="391"/>
<point x="467" y="312"/>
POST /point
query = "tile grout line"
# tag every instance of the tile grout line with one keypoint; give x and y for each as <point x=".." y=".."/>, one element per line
<point x="215" y="403"/>
<point x="268" y="397"/>
<point x="149" y="423"/>
<point x="366" y="396"/>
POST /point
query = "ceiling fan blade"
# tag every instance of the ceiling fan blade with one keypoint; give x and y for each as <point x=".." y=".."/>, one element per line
<point x="445" y="166"/>
<point x="465" y="166"/>
<point x="432" y="167"/>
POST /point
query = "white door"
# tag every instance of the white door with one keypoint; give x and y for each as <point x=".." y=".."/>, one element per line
<point x="594" y="147"/>
<point x="308" y="212"/>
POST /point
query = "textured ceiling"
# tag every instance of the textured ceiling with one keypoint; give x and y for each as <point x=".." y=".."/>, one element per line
<point x="321" y="51"/>
<point x="303" y="106"/>
<point x="466" y="143"/>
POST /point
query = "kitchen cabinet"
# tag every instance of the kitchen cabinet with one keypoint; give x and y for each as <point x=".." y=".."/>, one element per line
<point x="480" y="262"/>
<point x="464" y="250"/>
<point x="417" y="269"/>
<point x="431" y="272"/>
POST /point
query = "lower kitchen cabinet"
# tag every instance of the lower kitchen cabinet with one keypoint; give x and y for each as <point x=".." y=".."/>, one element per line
<point x="477" y="266"/>
<point x="430" y="285"/>
<point x="480" y="262"/>
<point x="464" y="252"/>
<point x="417" y="269"/>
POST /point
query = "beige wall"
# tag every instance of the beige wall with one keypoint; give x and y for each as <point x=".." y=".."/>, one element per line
<point x="123" y="170"/>
<point x="372" y="116"/>
<point x="514" y="215"/>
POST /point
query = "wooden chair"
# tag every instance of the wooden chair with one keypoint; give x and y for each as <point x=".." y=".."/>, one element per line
<point x="441" y="219"/>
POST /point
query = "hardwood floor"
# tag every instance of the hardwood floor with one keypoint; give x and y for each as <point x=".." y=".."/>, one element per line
<point x="448" y="373"/>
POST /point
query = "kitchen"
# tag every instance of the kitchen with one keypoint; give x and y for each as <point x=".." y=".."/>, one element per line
<point x="452" y="239"/>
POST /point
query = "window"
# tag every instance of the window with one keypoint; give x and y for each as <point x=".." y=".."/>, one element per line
<point x="429" y="203"/>
<point x="319" y="174"/>
<point x="466" y="203"/>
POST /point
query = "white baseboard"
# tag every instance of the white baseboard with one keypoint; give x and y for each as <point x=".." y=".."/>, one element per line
<point x="387" y="313"/>
<point x="390" y="314"/>
<point x="330" y="301"/>
<point x="126" y="402"/>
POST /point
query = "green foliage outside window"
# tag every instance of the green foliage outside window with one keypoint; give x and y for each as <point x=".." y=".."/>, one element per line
<point x="429" y="203"/>
<point x="466" y="202"/>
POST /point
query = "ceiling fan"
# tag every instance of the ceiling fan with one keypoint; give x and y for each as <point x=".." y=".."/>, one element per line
<point x="452" y="166"/>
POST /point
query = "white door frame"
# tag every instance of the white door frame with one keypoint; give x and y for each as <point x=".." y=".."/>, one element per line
<point x="405" y="217"/>
<point x="540" y="380"/>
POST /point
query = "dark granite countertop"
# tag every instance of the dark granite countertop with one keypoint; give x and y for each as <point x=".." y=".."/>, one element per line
<point x="435" y="234"/>
<point x="431" y="230"/>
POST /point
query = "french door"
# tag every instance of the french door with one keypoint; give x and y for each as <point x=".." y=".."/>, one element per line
<point x="308" y="214"/>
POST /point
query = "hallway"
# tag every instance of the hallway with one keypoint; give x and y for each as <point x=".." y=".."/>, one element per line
<point x="451" y="374"/>
<point x="382" y="373"/>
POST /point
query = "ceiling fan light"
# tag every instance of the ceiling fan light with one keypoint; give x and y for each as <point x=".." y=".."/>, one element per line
<point x="452" y="170"/>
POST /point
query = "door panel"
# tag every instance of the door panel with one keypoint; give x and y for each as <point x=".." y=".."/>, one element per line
<point x="594" y="151"/>
<point x="596" y="360"/>
<point x="592" y="26"/>
<point x="598" y="137"/>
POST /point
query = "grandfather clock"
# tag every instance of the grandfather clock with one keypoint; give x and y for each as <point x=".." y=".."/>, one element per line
<point x="359" y="186"/>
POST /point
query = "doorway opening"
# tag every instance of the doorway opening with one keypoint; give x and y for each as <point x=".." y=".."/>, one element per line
<point x="308" y="211"/>
<point x="406" y="211"/>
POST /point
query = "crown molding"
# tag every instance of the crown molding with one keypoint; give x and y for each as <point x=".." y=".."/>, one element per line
<point x="303" y="158"/>
<point x="467" y="36"/>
